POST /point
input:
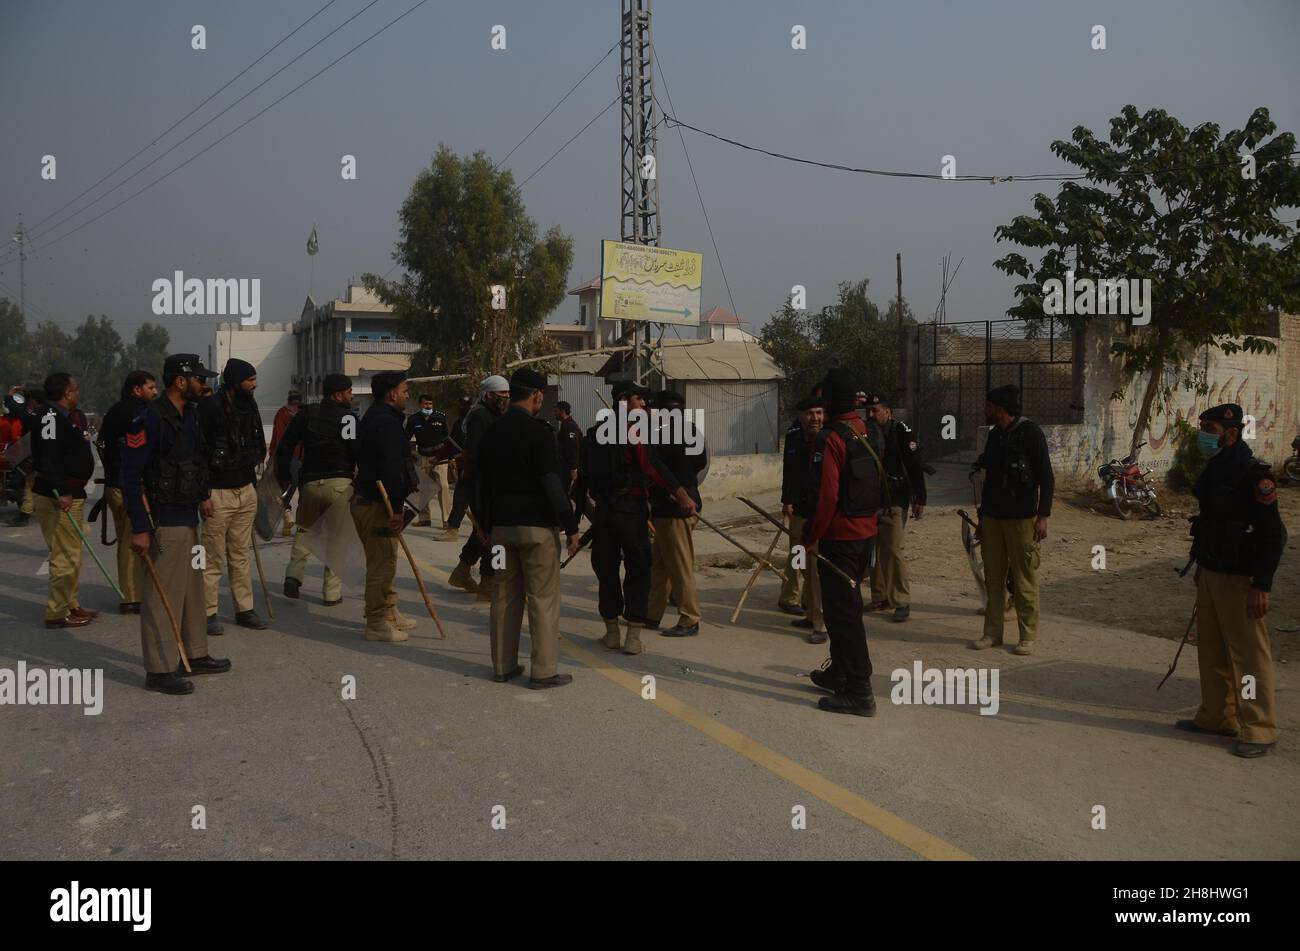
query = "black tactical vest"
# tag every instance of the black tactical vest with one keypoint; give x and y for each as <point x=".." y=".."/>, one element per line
<point x="609" y="472"/>
<point x="860" y="479"/>
<point x="177" y="474"/>
<point x="235" y="444"/>
<point x="325" y="452"/>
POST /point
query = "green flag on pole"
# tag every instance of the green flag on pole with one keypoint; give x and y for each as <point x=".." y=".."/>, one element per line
<point x="312" y="244"/>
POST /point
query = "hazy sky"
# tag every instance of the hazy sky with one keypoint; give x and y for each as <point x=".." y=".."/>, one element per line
<point x="892" y="85"/>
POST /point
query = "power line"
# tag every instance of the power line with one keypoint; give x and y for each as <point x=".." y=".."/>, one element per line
<point x="611" y="105"/>
<point x="386" y="26"/>
<point x="556" y="106"/>
<point x="164" y="134"/>
<point x="209" y="122"/>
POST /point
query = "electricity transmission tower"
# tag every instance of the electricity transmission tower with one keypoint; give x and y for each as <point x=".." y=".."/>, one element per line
<point x="640" y="176"/>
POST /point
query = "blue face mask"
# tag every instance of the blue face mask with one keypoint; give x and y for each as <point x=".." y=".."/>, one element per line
<point x="1208" y="442"/>
<point x="427" y="412"/>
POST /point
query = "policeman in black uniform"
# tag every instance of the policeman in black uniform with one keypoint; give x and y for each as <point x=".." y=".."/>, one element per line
<point x="1238" y="539"/>
<point x="163" y="457"/>
<point x="494" y="398"/>
<point x="428" y="427"/>
<point x="617" y="474"/>
<point x="568" y="441"/>
<point x="906" y="481"/>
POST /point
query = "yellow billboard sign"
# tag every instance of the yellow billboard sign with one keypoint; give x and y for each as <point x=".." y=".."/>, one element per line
<point x="640" y="282"/>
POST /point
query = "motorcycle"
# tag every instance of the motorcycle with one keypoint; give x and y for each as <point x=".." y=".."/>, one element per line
<point x="1291" y="468"/>
<point x="1127" y="488"/>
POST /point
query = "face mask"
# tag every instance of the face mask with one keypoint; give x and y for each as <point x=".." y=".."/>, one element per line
<point x="1208" y="442"/>
<point x="427" y="412"/>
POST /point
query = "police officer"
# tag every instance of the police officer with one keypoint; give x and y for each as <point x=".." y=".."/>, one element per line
<point x="672" y="564"/>
<point x="844" y="497"/>
<point x="64" y="464"/>
<point x="383" y="453"/>
<point x="283" y="417"/>
<point x="568" y="440"/>
<point x="1238" y="538"/>
<point x="327" y="431"/>
<point x="520" y="502"/>
<point x="163" y="457"/>
<point x="617" y="471"/>
<point x="139" y="389"/>
<point x="1013" y="512"/>
<point x="906" y="482"/>
<point x="796" y="467"/>
<point x="494" y="398"/>
<point x="236" y="445"/>
<point x="428" y="427"/>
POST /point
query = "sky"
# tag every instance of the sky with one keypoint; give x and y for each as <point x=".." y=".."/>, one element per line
<point x="886" y="85"/>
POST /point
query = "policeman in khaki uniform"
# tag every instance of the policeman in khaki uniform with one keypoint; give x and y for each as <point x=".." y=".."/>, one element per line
<point x="796" y="466"/>
<point x="383" y="454"/>
<point x="1238" y="539"/>
<point x="906" y="480"/>
<point x="327" y="431"/>
<point x="520" y="500"/>
<point x="1013" y="512"/>
<point x="163" y="457"/>
<point x="672" y="554"/>
<point x="139" y="389"/>
<point x="63" y="465"/>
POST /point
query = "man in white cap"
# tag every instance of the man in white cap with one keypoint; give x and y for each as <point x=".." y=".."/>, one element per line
<point x="494" y="400"/>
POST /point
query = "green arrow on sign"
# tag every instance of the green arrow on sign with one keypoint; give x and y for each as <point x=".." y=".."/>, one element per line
<point x="685" y="311"/>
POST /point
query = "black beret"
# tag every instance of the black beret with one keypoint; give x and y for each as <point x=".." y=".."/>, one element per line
<point x="1229" y="414"/>
<point x="809" y="402"/>
<point x="335" y="383"/>
<point x="669" y="398"/>
<point x="526" y="377"/>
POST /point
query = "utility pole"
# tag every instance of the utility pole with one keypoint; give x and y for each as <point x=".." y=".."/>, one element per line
<point x="639" y="156"/>
<point x="900" y="390"/>
<point x="21" y="237"/>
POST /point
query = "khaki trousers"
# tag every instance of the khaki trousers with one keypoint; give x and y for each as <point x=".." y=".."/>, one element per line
<point x="673" y="563"/>
<point x="65" y="554"/>
<point x="442" y="479"/>
<point x="128" y="562"/>
<point x="1008" y="545"/>
<point x="26" y="508"/>
<point x="381" y="558"/>
<point x="806" y="579"/>
<point x="228" y="539"/>
<point x="532" y="573"/>
<point x="1230" y="646"/>
<point x="889" y="577"/>
<point x="173" y="559"/>
<point x="314" y="500"/>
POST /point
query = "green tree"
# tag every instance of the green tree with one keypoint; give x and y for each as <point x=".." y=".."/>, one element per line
<point x="95" y="357"/>
<point x="464" y="229"/>
<point x="148" y="351"/>
<point x="13" y="352"/>
<point x="1183" y="208"/>
<point x="49" y="350"/>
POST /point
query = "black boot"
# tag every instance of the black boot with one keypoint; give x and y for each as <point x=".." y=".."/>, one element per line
<point x="203" y="665"/>
<point x="168" y="683"/>
<point x="827" y="678"/>
<point x="214" y="626"/>
<point x="842" y="701"/>
<point x="250" y="619"/>
<point x="291" y="586"/>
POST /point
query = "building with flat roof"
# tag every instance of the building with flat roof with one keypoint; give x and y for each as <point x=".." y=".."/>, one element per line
<point x="355" y="334"/>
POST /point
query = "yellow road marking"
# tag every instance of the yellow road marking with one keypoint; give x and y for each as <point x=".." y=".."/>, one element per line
<point x="900" y="830"/>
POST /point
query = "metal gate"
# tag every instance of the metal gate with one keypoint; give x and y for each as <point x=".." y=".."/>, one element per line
<point x="958" y="363"/>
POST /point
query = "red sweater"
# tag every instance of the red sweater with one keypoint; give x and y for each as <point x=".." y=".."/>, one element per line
<point x="828" y="521"/>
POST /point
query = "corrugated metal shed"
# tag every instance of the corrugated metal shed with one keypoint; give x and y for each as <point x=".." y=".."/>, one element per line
<point x="578" y="383"/>
<point x="739" y="417"/>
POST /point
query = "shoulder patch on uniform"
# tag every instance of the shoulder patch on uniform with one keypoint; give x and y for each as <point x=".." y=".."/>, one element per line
<point x="135" y="440"/>
<point x="1266" y="492"/>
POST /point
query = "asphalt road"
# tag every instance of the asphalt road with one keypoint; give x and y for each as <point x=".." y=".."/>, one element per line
<point x="720" y="764"/>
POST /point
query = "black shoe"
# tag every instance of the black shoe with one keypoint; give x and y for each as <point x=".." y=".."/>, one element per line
<point x="203" y="665"/>
<point x="791" y="608"/>
<point x="214" y="626"/>
<point x="291" y="586"/>
<point x="250" y="619"/>
<point x="1251" y="750"/>
<point x="680" y="630"/>
<point x="844" y="702"/>
<point x="129" y="607"/>
<point x="650" y="625"/>
<point x="1191" y="726"/>
<point x="168" y="683"/>
<point x="826" y="679"/>
<point x="902" y="613"/>
<point x="817" y="637"/>
<point x="559" y="680"/>
<point x="330" y="604"/>
<point x="802" y="622"/>
<point x="502" y="678"/>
